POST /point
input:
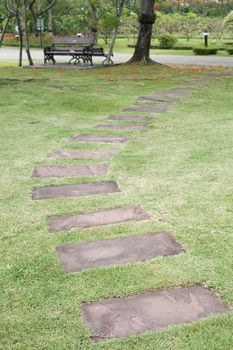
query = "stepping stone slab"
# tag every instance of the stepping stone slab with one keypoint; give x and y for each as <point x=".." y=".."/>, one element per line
<point x="97" y="218"/>
<point x="152" y="104"/>
<point x="175" y="93"/>
<point x="69" y="171"/>
<point x="193" y="86"/>
<point x="158" y="98"/>
<point x="116" y="251"/>
<point x="74" y="190"/>
<point x="133" y="315"/>
<point x="122" y="127"/>
<point x="76" y="154"/>
<point x="128" y="118"/>
<point x="146" y="109"/>
<point x="96" y="138"/>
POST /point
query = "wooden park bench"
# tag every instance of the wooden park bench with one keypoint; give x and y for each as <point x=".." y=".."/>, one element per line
<point x="76" y="48"/>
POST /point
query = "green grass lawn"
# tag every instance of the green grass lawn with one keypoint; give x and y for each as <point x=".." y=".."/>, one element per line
<point x="180" y="171"/>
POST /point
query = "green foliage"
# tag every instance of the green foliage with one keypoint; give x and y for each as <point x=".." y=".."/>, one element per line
<point x="228" y="21"/>
<point x="68" y="18"/>
<point x="230" y="51"/>
<point x="201" y="50"/>
<point x="167" y="41"/>
<point x="189" y="24"/>
<point x="107" y="20"/>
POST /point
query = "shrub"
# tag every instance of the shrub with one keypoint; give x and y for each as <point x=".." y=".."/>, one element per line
<point x="202" y="50"/>
<point x="230" y="51"/>
<point x="166" y="41"/>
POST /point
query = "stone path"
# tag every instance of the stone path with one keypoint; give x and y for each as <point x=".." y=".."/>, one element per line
<point x="97" y="218"/>
<point x="74" y="190"/>
<point x="122" y="127"/>
<point x="73" y="154"/>
<point x="98" y="138"/>
<point x="116" y="251"/>
<point x="146" y="109"/>
<point x="69" y="171"/>
<point x="128" y="118"/>
<point x="122" y="317"/>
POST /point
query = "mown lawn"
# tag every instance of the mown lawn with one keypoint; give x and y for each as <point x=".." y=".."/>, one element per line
<point x="180" y="171"/>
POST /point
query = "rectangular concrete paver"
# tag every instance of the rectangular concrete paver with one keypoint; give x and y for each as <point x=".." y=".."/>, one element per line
<point x="176" y="93"/>
<point x="97" y="218"/>
<point x="99" y="138"/>
<point x="128" y="118"/>
<point x="157" y="98"/>
<point x="153" y="104"/>
<point x="69" y="171"/>
<point x="115" y="251"/>
<point x="74" y="190"/>
<point x="83" y="154"/>
<point x="133" y="315"/>
<point x="121" y="127"/>
<point x="146" y="109"/>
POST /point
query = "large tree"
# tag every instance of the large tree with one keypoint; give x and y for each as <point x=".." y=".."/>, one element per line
<point x="146" y="20"/>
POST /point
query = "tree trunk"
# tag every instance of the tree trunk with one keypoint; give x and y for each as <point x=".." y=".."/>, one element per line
<point x="50" y="21"/>
<point x="20" y="41"/>
<point x="146" y="20"/>
<point x="27" y="45"/>
<point x="119" y="7"/>
<point x="94" y="28"/>
<point x="110" y="50"/>
<point x="4" y="29"/>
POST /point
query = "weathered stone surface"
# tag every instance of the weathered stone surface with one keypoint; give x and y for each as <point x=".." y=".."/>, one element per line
<point x="97" y="218"/>
<point x="153" y="104"/>
<point x="193" y="86"/>
<point x="122" y="250"/>
<point x="158" y="98"/>
<point x="99" y="138"/>
<point x="74" y="190"/>
<point x="69" y="171"/>
<point x="128" y="118"/>
<point x="175" y="93"/>
<point x="133" y="315"/>
<point x="122" y="127"/>
<point x="83" y="154"/>
<point x="146" y="109"/>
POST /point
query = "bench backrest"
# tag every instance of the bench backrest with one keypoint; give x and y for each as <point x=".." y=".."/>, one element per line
<point x="73" y="41"/>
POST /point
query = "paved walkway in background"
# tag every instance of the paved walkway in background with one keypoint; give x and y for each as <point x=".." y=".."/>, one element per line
<point x="11" y="53"/>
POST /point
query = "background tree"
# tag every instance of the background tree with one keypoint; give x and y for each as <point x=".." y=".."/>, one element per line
<point x="94" y="28"/>
<point x="118" y="4"/>
<point x="5" y="18"/>
<point x="189" y="24"/>
<point x="37" y="9"/>
<point x="228" y="21"/>
<point x="14" y="8"/>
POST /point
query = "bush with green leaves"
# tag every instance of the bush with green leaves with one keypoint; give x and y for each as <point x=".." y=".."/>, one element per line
<point x="230" y="51"/>
<point x="202" y="50"/>
<point x="167" y="41"/>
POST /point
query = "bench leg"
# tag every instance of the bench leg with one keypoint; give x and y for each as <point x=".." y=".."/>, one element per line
<point x="73" y="58"/>
<point x="107" y="61"/>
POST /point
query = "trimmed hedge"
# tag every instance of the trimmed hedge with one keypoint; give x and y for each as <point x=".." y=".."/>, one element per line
<point x="205" y="50"/>
<point x="166" y="41"/>
<point x="154" y="47"/>
<point x="230" y="51"/>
